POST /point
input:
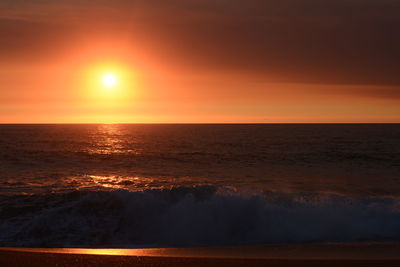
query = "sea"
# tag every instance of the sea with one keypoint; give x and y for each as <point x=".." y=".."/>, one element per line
<point x="191" y="185"/>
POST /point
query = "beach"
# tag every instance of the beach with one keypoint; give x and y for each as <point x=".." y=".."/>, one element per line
<point x="357" y="254"/>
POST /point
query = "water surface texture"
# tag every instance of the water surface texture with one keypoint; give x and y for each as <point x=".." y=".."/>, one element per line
<point x="198" y="185"/>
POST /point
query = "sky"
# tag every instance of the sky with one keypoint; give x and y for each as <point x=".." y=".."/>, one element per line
<point x="200" y="61"/>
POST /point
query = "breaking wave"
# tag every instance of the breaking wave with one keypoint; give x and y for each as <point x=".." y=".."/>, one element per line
<point x="193" y="216"/>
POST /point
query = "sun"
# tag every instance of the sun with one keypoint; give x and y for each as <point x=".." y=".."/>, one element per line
<point x="110" y="80"/>
<point x="109" y="84"/>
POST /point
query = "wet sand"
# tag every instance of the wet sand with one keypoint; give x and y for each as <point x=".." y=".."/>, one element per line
<point x="369" y="254"/>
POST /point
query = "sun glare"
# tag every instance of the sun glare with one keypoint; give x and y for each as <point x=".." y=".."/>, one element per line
<point x="108" y="88"/>
<point x="109" y="80"/>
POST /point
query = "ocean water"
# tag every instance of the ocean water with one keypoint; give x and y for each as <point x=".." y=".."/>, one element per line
<point x="198" y="185"/>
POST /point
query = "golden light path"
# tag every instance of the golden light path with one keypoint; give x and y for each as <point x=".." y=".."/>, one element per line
<point x="353" y="251"/>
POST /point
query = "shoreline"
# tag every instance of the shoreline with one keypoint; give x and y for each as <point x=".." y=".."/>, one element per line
<point x="333" y="254"/>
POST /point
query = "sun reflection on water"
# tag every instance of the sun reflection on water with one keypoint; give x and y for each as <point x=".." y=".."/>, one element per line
<point x="118" y="182"/>
<point x="110" y="139"/>
<point x="89" y="182"/>
<point x="130" y="183"/>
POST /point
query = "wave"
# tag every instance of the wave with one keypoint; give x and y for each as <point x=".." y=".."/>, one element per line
<point x="193" y="216"/>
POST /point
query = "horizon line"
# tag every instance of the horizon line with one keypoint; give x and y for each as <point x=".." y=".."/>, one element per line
<point x="183" y="123"/>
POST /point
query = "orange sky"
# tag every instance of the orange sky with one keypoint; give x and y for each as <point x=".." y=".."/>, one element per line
<point x="199" y="61"/>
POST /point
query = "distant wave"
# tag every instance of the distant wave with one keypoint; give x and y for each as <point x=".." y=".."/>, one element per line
<point x="193" y="216"/>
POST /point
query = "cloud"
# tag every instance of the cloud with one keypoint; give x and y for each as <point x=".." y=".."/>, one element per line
<point x="350" y="42"/>
<point x="391" y="93"/>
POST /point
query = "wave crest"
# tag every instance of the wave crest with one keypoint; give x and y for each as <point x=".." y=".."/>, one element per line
<point x="193" y="216"/>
